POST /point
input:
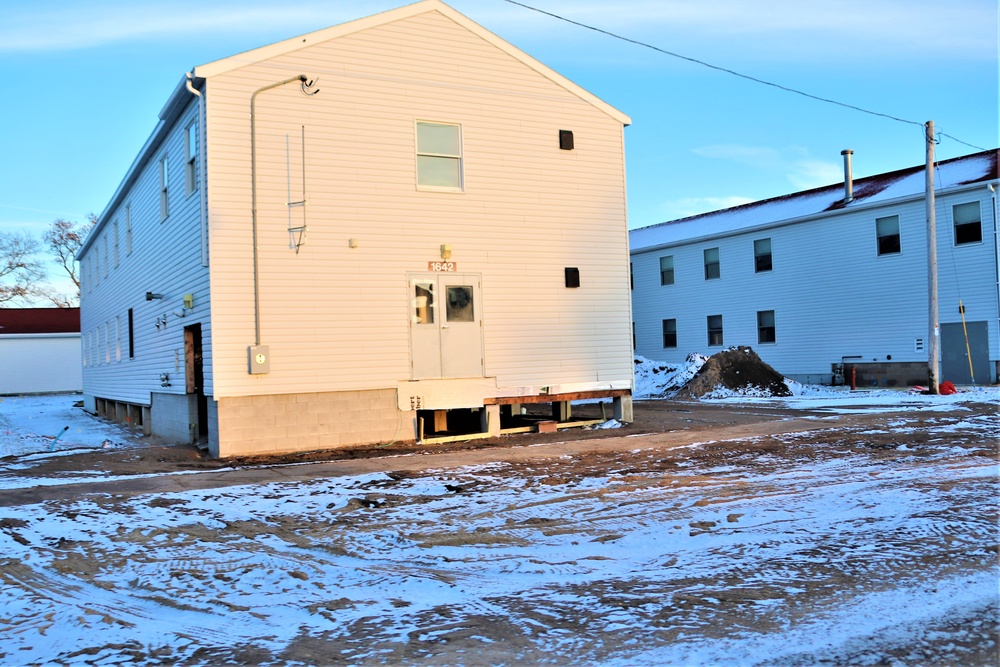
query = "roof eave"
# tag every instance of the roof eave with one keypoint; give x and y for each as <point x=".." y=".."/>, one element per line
<point x="808" y="217"/>
<point x="175" y="105"/>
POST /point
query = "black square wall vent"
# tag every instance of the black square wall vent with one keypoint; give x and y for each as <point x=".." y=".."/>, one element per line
<point x="572" y="276"/>
<point x="566" y="140"/>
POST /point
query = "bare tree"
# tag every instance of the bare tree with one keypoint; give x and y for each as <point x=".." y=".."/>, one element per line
<point x="21" y="273"/>
<point x="64" y="239"/>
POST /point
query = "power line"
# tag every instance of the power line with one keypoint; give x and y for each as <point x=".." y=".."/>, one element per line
<point x="979" y="148"/>
<point x="733" y="72"/>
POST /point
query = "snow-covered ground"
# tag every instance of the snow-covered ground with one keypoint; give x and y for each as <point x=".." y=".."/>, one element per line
<point x="656" y="379"/>
<point x="51" y="423"/>
<point x="712" y="555"/>
<point x="864" y="546"/>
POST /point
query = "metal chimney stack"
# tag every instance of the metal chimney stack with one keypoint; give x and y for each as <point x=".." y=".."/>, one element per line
<point x="848" y="176"/>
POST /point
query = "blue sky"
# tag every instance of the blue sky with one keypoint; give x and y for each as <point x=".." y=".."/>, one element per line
<point x="84" y="80"/>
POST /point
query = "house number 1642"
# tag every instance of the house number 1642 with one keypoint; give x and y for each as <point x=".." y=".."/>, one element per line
<point x="447" y="267"/>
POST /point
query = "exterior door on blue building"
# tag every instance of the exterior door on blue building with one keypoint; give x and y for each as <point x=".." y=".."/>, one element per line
<point x="955" y="354"/>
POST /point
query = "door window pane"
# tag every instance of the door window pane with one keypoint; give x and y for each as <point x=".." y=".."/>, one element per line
<point x="423" y="303"/>
<point x="459" y="306"/>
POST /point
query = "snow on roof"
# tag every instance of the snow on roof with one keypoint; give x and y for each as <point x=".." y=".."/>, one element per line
<point x="39" y="320"/>
<point x="867" y="192"/>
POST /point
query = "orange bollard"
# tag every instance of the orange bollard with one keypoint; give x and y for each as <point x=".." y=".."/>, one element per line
<point x="854" y="378"/>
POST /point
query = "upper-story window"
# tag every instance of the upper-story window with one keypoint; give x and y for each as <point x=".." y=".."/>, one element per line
<point x="191" y="158"/>
<point x="439" y="156"/>
<point x="968" y="222"/>
<point x="712" y="268"/>
<point x="667" y="270"/>
<point x="128" y="229"/>
<point x="887" y="233"/>
<point x="164" y="189"/>
<point x="762" y="255"/>
<point x="107" y="257"/>
<point x="116" y="243"/>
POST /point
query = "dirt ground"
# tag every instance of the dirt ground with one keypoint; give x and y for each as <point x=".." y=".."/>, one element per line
<point x="749" y="552"/>
<point x="651" y="417"/>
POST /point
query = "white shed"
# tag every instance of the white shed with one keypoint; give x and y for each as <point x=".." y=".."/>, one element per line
<point x="330" y="240"/>
<point x="40" y="350"/>
<point x="818" y="282"/>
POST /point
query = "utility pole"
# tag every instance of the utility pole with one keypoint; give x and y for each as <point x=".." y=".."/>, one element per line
<point x="932" y="275"/>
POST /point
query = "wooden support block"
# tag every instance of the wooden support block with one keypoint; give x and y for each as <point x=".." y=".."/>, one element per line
<point x="548" y="427"/>
<point x="440" y="421"/>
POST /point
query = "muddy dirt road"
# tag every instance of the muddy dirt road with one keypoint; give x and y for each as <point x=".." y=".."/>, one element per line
<point x="756" y="536"/>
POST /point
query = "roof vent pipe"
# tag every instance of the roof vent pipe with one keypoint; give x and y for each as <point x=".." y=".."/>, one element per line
<point x="848" y="176"/>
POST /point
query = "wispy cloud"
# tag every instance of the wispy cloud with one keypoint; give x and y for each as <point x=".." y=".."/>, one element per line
<point x="49" y="25"/>
<point x="852" y="30"/>
<point x="795" y="163"/>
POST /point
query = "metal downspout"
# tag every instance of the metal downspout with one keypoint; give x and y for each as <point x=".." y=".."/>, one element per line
<point x="996" y="262"/>
<point x="202" y="168"/>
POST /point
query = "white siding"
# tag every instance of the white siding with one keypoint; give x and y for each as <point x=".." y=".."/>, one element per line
<point x="165" y="259"/>
<point x="335" y="317"/>
<point x="832" y="294"/>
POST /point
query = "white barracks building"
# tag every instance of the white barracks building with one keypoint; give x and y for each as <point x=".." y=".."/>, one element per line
<point x="335" y="239"/>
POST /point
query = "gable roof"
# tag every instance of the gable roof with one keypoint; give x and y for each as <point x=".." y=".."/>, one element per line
<point x="302" y="41"/>
<point x="39" y="320"/>
<point x="868" y="192"/>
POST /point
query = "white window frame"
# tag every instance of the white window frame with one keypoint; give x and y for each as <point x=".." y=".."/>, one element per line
<point x="663" y="331"/>
<point x="954" y="225"/>
<point x="717" y="263"/>
<point x="673" y="274"/>
<point x="115" y="225"/>
<point x="761" y="328"/>
<point x="757" y="256"/>
<point x="460" y="157"/>
<point x="721" y="331"/>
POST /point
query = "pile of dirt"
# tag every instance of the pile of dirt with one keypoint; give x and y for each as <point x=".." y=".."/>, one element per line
<point x="737" y="369"/>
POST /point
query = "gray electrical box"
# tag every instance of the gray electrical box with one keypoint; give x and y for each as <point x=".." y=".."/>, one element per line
<point x="259" y="357"/>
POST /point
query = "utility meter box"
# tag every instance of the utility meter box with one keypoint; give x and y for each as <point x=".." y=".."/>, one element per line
<point x="259" y="359"/>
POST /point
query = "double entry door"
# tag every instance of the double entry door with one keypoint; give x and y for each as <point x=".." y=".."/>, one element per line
<point x="446" y="336"/>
